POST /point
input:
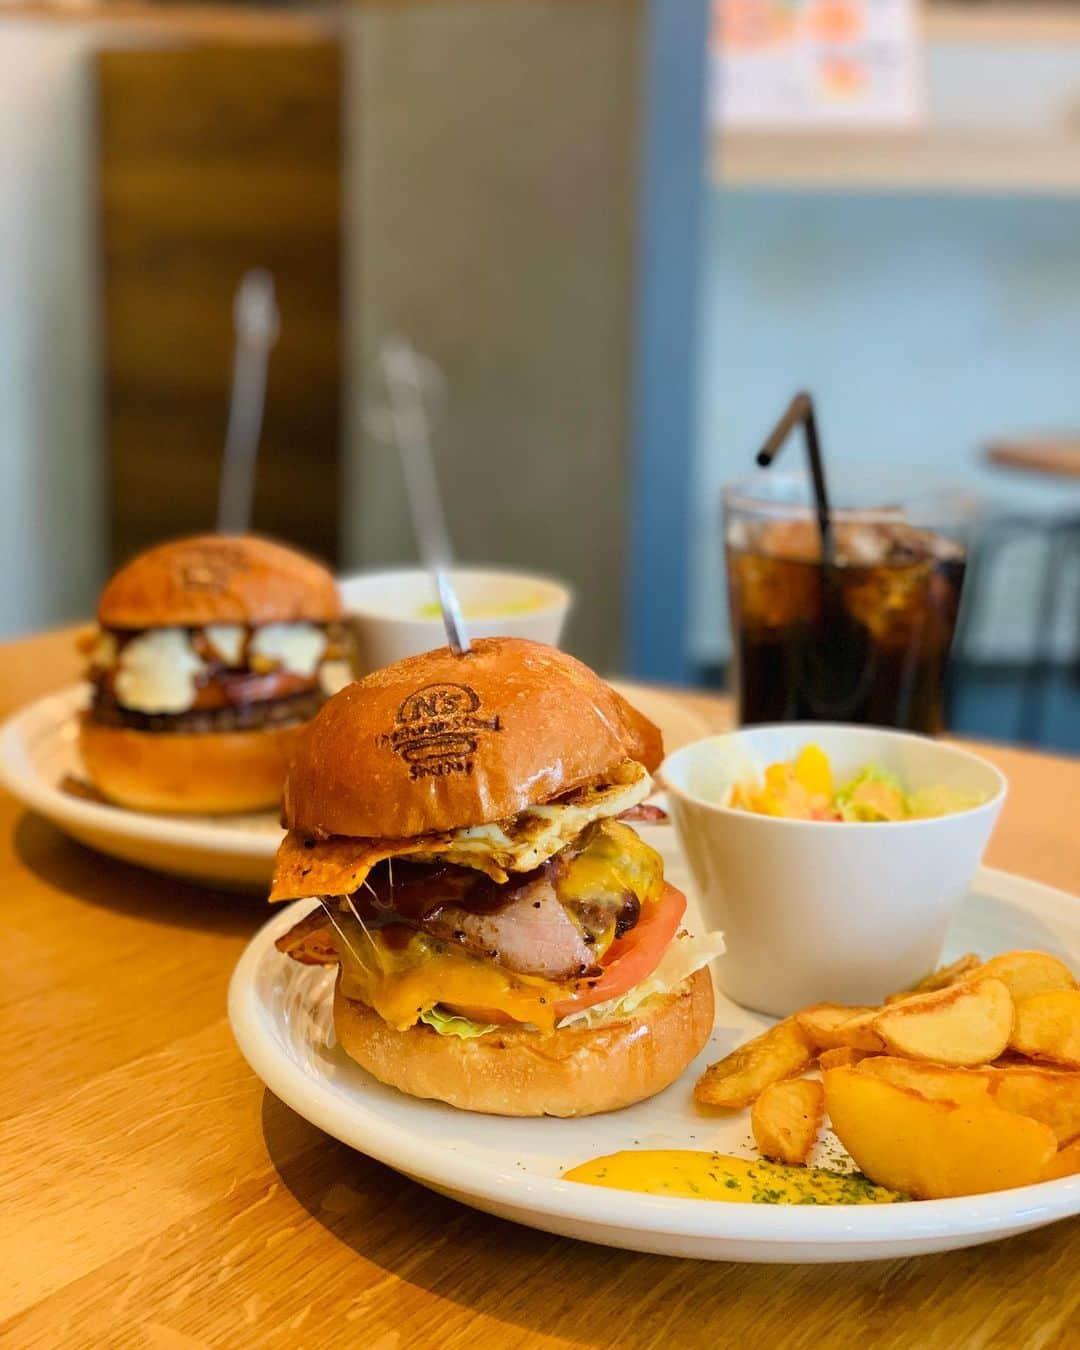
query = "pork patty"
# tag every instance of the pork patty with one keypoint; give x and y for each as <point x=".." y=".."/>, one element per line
<point x="531" y="933"/>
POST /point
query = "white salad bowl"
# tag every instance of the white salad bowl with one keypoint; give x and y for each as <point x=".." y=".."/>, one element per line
<point x="835" y="911"/>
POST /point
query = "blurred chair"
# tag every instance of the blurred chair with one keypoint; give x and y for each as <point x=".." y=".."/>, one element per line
<point x="1044" y="660"/>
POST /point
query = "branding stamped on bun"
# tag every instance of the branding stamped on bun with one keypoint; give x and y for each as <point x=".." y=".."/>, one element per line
<point x="437" y="730"/>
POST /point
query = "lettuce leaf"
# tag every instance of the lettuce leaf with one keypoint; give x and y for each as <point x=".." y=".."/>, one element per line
<point x="873" y="794"/>
<point x="685" y="956"/>
<point x="450" y="1024"/>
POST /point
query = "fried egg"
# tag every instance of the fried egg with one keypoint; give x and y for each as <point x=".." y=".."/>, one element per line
<point x="539" y="832"/>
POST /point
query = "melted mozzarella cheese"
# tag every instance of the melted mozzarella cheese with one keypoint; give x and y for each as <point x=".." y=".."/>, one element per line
<point x="539" y="832"/>
<point x="334" y="676"/>
<point x="227" y="640"/>
<point x="295" y="647"/>
<point x="157" y="672"/>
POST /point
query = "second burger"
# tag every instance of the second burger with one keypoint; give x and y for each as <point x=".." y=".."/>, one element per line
<point x="211" y="655"/>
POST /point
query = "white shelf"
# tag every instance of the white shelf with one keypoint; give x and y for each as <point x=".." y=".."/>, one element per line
<point x="947" y="162"/>
<point x="1015" y="23"/>
<point x="1004" y="117"/>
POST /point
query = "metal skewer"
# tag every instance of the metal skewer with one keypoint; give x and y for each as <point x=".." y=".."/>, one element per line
<point x="412" y="382"/>
<point x="257" y="324"/>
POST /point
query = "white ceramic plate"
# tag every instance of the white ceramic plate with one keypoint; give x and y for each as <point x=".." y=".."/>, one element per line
<point x="280" y="1013"/>
<point x="39" y="745"/>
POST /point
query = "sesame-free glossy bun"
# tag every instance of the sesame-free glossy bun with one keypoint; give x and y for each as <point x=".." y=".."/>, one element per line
<point x="576" y="1071"/>
<point x="205" y="772"/>
<point x="439" y="741"/>
<point x="214" y="578"/>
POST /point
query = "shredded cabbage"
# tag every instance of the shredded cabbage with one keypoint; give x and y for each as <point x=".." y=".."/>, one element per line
<point x="685" y="956"/>
<point x="449" y="1024"/>
<point x="873" y="794"/>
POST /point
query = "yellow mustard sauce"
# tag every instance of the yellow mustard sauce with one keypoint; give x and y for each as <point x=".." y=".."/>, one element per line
<point x="695" y="1174"/>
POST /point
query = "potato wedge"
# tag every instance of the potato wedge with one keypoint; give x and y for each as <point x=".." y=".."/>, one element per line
<point x="1064" y="1163"/>
<point x="967" y="1023"/>
<point x="941" y="978"/>
<point x="859" y="1033"/>
<point x="935" y="1081"/>
<point x="1026" y="973"/>
<point x="738" y="1080"/>
<point x="786" y="1119"/>
<point x="1048" y="1027"/>
<point x="1049" y="1095"/>
<point x="931" y="1150"/>
<point x="831" y="1025"/>
<point x="1013" y="1059"/>
<point x="841" y="1056"/>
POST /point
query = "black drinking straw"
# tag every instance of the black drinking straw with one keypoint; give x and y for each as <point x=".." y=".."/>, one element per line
<point x="800" y="411"/>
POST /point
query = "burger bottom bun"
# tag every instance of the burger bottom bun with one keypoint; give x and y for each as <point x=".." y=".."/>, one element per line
<point x="573" y="1072"/>
<point x="205" y="772"/>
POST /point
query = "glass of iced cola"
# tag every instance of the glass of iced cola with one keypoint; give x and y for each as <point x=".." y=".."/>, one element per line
<point x="859" y="631"/>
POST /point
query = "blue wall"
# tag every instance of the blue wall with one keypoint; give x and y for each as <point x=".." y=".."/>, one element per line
<point x="923" y="325"/>
<point x="671" y="207"/>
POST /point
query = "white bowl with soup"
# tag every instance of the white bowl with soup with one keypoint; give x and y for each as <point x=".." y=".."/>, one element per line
<point x="396" y="613"/>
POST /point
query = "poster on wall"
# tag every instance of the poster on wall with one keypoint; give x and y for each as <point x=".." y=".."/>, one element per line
<point x="783" y="64"/>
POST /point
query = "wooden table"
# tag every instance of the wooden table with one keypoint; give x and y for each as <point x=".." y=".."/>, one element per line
<point x="153" y="1194"/>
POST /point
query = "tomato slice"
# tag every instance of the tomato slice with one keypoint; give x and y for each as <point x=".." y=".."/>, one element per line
<point x="629" y="960"/>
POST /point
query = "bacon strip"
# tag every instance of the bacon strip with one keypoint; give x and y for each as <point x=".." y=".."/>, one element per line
<point x="310" y="941"/>
<point x="646" y="811"/>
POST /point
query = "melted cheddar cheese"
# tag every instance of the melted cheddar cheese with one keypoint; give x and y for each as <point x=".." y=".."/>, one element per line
<point x="401" y="980"/>
<point x="613" y="861"/>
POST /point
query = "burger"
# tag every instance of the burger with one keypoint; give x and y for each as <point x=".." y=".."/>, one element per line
<point x="504" y="942"/>
<point x="210" y="656"/>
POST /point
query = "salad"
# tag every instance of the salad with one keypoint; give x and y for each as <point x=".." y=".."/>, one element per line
<point x="805" y="789"/>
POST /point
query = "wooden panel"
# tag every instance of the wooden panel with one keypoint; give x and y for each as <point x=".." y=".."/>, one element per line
<point x="213" y="159"/>
<point x="491" y="216"/>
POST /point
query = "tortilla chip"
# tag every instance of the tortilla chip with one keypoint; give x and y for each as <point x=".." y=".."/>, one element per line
<point x="308" y="867"/>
